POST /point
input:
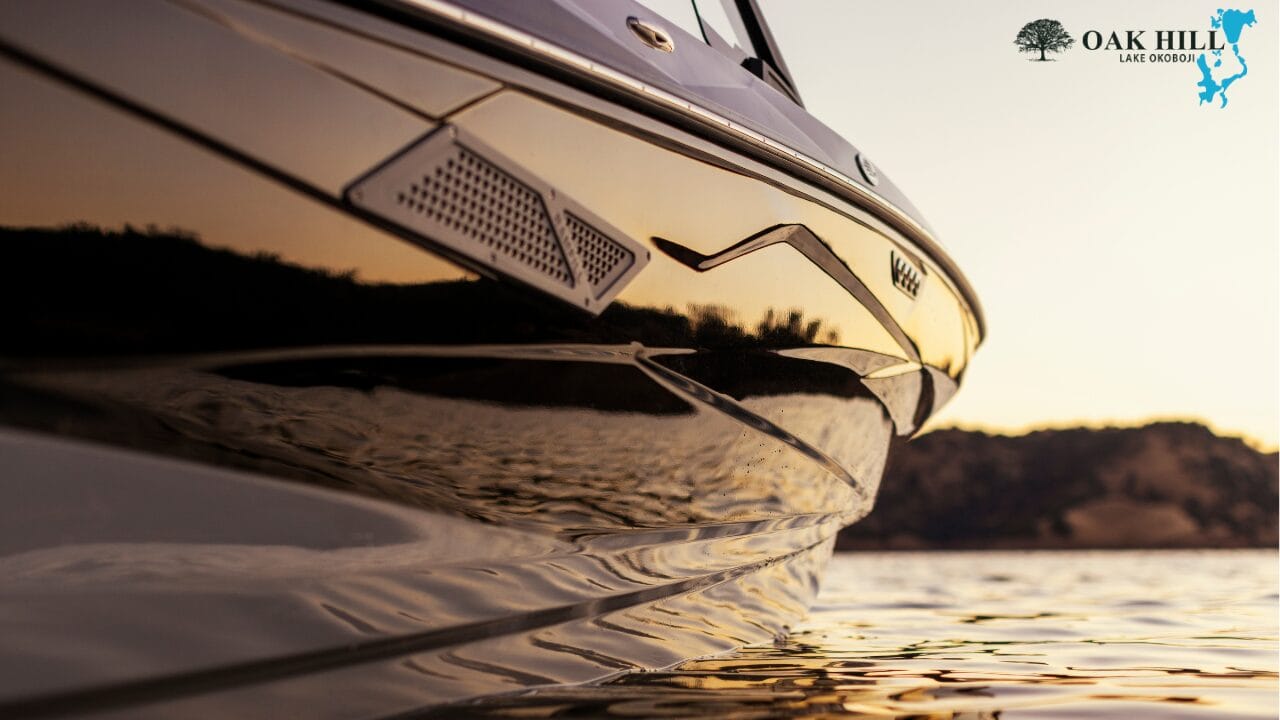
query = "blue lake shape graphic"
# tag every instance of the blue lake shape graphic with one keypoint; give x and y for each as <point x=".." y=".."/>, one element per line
<point x="1231" y="22"/>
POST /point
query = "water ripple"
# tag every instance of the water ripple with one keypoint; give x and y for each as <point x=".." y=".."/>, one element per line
<point x="1186" y="634"/>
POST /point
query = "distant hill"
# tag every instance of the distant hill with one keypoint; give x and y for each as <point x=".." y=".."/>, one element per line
<point x="1162" y="485"/>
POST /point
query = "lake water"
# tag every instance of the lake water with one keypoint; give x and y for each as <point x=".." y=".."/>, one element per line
<point x="1161" y="634"/>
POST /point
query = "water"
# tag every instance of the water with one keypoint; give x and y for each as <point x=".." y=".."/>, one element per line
<point x="1161" y="634"/>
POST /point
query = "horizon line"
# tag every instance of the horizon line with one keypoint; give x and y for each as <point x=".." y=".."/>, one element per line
<point x="1252" y="441"/>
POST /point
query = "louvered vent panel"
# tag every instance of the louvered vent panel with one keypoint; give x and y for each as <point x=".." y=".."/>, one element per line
<point x="470" y="196"/>
<point x="452" y="193"/>
<point x="603" y="260"/>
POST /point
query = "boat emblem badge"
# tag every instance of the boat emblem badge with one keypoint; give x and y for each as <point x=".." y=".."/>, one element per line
<point x="906" y="276"/>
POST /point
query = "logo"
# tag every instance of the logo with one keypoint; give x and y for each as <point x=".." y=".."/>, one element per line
<point x="1043" y="36"/>
<point x="1214" y="51"/>
<point x="1214" y="79"/>
<point x="905" y="275"/>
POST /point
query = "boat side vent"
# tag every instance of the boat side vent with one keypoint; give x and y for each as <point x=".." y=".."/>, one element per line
<point x="470" y="196"/>
<point x="603" y="259"/>
<point x="451" y="192"/>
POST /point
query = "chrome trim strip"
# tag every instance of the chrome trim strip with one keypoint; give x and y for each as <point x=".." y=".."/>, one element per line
<point x="688" y="388"/>
<point x="905" y="222"/>
<point x="817" y="252"/>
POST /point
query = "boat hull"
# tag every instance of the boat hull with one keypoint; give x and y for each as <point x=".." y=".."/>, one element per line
<point x="282" y="436"/>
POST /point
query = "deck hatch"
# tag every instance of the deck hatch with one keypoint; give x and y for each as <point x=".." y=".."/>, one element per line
<point x="450" y="189"/>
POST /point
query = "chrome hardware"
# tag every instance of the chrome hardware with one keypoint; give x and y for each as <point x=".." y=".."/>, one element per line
<point x="869" y="170"/>
<point x="651" y="35"/>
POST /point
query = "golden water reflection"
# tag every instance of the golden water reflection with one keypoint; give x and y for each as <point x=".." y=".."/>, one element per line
<point x="1188" y="634"/>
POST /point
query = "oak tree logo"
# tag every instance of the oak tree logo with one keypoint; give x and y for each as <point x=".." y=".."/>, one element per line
<point x="1043" y="36"/>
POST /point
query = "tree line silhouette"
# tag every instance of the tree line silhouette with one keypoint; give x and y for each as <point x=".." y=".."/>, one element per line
<point x="83" y="289"/>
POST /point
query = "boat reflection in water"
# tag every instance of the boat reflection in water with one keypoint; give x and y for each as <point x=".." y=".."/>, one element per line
<point x="278" y="439"/>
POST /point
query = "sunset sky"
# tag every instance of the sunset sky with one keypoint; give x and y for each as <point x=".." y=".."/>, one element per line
<point x="1122" y="237"/>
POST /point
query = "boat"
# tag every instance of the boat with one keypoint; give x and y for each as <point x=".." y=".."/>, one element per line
<point x="362" y="358"/>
